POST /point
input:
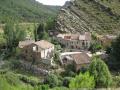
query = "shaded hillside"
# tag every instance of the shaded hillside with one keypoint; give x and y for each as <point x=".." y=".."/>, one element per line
<point x="102" y="16"/>
<point x="26" y="10"/>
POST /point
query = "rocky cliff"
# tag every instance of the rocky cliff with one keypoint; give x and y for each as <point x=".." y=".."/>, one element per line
<point x="102" y="16"/>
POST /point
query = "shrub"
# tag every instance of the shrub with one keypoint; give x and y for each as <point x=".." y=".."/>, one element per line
<point x="82" y="81"/>
<point x="52" y="80"/>
<point x="66" y="81"/>
<point x="116" y="81"/>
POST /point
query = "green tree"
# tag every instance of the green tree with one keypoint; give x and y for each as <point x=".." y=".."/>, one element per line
<point x="56" y="57"/>
<point x="35" y="32"/>
<point x="95" y="46"/>
<point x="8" y="34"/>
<point x="82" y="81"/>
<point x="114" y="62"/>
<point x="50" y="23"/>
<point x="13" y="34"/>
<point x="41" y="32"/>
<point x="101" y="73"/>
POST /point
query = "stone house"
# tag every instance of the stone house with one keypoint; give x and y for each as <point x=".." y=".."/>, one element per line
<point x="79" y="60"/>
<point x="39" y="51"/>
<point x="75" y="41"/>
<point x="105" y="40"/>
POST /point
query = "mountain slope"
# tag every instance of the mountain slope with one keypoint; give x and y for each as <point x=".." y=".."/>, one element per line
<point x="101" y="16"/>
<point x="26" y="10"/>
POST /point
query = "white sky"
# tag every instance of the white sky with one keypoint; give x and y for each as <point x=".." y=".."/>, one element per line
<point x="53" y="2"/>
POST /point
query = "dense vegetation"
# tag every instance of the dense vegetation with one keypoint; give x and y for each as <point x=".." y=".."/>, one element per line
<point x="101" y="73"/>
<point x="82" y="81"/>
<point x="12" y="81"/>
<point x="13" y="77"/>
<point x="26" y="10"/>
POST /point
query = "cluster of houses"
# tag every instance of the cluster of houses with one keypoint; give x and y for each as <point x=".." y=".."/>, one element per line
<point x="75" y="41"/>
<point x="43" y="51"/>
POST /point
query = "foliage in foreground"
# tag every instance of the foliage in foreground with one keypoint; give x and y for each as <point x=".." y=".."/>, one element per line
<point x="11" y="81"/>
<point x="82" y="81"/>
<point x="101" y="73"/>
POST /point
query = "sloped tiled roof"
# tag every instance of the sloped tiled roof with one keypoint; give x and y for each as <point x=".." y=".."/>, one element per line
<point x="44" y="44"/>
<point x="81" y="58"/>
<point x="25" y="43"/>
<point x="85" y="36"/>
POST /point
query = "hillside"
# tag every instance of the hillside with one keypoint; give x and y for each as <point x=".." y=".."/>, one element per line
<point x="102" y="16"/>
<point x="26" y="10"/>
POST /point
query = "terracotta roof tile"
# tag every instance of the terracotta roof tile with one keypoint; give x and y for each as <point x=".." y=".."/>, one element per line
<point x="44" y="44"/>
<point x="81" y="58"/>
<point x="25" y="43"/>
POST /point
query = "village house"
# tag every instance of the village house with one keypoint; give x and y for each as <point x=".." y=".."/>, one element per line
<point x="75" y="41"/>
<point x="39" y="51"/>
<point x="79" y="60"/>
<point x="106" y="40"/>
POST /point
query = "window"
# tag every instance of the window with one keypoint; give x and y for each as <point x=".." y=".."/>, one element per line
<point x="86" y="43"/>
<point x="83" y="43"/>
<point x="34" y="48"/>
<point x="26" y="51"/>
<point x="72" y="47"/>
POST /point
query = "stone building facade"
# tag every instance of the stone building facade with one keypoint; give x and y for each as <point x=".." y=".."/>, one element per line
<point x="75" y="41"/>
<point x="39" y="51"/>
<point x="78" y="60"/>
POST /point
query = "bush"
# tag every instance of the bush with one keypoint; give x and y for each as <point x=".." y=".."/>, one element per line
<point x="30" y="80"/>
<point x="52" y="80"/>
<point x="82" y="81"/>
<point x="70" y="70"/>
<point x="60" y="88"/>
<point x="66" y="81"/>
<point x="116" y="81"/>
<point x="11" y="81"/>
<point x="95" y="46"/>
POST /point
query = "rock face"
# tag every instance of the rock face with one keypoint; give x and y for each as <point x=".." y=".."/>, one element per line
<point x="101" y="16"/>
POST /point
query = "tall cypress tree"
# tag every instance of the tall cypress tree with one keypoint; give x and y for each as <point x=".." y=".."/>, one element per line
<point x="114" y="61"/>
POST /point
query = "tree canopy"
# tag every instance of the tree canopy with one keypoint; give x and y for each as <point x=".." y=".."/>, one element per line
<point x="82" y="81"/>
<point x="114" y="61"/>
<point x="13" y="34"/>
<point x="101" y="73"/>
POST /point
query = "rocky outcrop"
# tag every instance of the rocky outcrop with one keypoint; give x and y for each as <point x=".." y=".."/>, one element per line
<point x="89" y="15"/>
